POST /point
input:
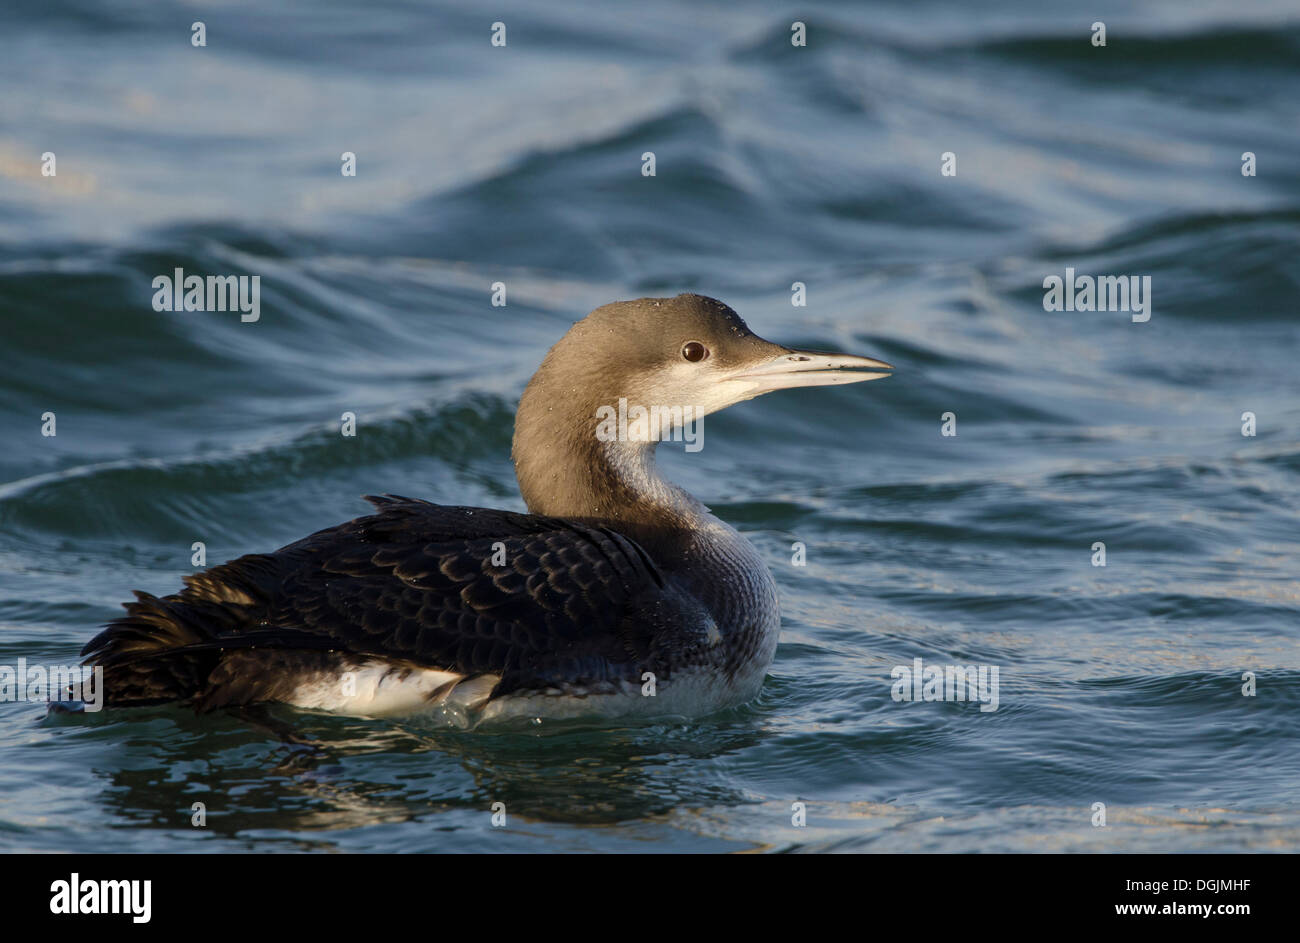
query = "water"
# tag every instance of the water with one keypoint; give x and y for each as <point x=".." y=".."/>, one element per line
<point x="1119" y="685"/>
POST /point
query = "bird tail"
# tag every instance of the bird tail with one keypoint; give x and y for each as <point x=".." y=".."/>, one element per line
<point x="164" y="649"/>
<point x="157" y="652"/>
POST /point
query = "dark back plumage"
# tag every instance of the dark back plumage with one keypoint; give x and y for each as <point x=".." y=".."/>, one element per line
<point x="414" y="583"/>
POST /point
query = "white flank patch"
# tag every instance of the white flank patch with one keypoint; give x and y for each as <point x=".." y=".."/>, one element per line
<point x="383" y="689"/>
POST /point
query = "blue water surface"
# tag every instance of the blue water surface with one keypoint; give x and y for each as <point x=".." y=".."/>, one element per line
<point x="775" y="164"/>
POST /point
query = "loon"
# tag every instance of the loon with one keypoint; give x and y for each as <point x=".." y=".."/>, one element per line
<point x="618" y="595"/>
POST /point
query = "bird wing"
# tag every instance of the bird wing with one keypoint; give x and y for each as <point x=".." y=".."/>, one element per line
<point x="535" y="600"/>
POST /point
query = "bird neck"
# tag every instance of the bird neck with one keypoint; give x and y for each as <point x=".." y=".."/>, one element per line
<point x="566" y="470"/>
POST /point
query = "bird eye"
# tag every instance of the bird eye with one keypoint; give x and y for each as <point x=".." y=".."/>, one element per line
<point x="694" y="351"/>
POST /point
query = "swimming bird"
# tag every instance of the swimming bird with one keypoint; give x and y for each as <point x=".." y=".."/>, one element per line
<point x="619" y="594"/>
